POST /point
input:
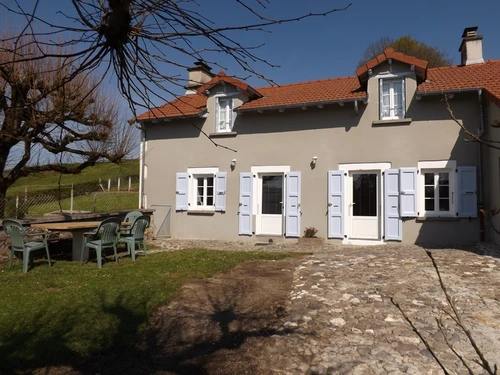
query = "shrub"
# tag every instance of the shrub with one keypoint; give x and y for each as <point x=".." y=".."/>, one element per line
<point x="310" y="232"/>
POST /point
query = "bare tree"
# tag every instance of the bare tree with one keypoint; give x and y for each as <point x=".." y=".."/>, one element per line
<point x="435" y="56"/>
<point x="50" y="116"/>
<point x="141" y="42"/>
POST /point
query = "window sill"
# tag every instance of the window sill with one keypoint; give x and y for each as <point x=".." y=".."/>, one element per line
<point x="437" y="218"/>
<point x="223" y="134"/>
<point x="201" y="212"/>
<point x="399" y="121"/>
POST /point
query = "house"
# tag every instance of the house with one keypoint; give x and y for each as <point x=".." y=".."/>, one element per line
<point x="366" y="159"/>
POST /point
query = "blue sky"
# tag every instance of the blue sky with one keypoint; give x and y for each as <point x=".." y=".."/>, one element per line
<point x="332" y="46"/>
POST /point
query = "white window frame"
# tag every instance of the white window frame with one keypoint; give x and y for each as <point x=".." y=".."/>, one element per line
<point x="392" y="112"/>
<point x="229" y="123"/>
<point x="442" y="166"/>
<point x="194" y="174"/>
<point x="392" y="77"/>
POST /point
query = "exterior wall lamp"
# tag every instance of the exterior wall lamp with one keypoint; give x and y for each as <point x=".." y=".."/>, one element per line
<point x="233" y="164"/>
<point x="314" y="160"/>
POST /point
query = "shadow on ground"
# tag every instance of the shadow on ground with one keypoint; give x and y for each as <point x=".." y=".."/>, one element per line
<point x="208" y="329"/>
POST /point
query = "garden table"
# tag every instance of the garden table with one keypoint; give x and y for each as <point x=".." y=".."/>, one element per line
<point x="77" y="229"/>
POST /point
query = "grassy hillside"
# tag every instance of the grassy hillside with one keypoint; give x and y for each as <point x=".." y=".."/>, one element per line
<point x="50" y="180"/>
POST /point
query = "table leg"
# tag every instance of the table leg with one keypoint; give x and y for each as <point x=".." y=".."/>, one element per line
<point x="77" y="245"/>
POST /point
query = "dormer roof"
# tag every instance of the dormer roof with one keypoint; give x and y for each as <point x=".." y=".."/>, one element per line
<point x="222" y="77"/>
<point x="420" y="66"/>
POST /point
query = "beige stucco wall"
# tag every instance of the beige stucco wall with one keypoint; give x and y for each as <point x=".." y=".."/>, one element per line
<point x="334" y="134"/>
<point x="492" y="171"/>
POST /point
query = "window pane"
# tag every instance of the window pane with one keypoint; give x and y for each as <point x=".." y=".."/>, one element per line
<point x="429" y="204"/>
<point x="429" y="178"/>
<point x="272" y="195"/>
<point x="444" y="179"/>
<point x="210" y="191"/>
<point x="444" y="205"/>
<point x="199" y="197"/>
<point x="386" y="101"/>
<point x="444" y="192"/>
<point x="429" y="191"/>
<point x="398" y="99"/>
<point x="364" y="192"/>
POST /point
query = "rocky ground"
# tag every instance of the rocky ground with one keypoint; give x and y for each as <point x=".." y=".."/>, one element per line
<point x="342" y="314"/>
<point x="335" y="310"/>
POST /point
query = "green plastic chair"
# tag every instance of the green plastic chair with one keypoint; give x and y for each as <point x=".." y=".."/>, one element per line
<point x="137" y="236"/>
<point x="18" y="235"/>
<point x="106" y="236"/>
<point x="130" y="218"/>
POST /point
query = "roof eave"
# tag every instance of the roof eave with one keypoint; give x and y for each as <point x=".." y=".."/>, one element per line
<point x="170" y="118"/>
<point x="300" y="105"/>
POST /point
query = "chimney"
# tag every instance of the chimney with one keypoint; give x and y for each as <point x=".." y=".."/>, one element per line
<point x="471" y="47"/>
<point x="197" y="76"/>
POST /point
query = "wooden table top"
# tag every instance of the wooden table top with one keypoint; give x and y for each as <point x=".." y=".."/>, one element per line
<point x="67" y="226"/>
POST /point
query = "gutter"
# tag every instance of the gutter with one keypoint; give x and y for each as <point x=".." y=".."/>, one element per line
<point x="449" y="91"/>
<point x="300" y="105"/>
<point x="155" y="120"/>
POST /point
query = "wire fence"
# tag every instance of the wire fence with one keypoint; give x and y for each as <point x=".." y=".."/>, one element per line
<point x="98" y="196"/>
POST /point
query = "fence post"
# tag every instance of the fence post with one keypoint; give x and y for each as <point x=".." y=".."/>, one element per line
<point x="71" y="200"/>
<point x="95" y="197"/>
<point x="119" y="179"/>
<point x="129" y="182"/>
<point x="17" y="205"/>
<point x="109" y="183"/>
<point x="26" y="199"/>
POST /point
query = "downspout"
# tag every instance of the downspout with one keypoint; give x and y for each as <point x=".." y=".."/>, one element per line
<point x="142" y="164"/>
<point x="480" y="133"/>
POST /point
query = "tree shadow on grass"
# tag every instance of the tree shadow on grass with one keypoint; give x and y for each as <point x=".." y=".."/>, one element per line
<point x="199" y="333"/>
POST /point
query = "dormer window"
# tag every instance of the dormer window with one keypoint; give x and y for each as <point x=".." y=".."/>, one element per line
<point x="224" y="114"/>
<point x="392" y="98"/>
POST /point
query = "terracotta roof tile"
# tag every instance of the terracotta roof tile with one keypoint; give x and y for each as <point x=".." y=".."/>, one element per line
<point x="223" y="77"/>
<point x="307" y="92"/>
<point x="486" y="76"/>
<point x="189" y="105"/>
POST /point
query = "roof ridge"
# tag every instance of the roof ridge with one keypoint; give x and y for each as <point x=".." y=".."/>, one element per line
<point x="465" y="66"/>
<point x="308" y="82"/>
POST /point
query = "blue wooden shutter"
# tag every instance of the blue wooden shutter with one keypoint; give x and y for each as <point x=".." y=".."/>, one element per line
<point x="408" y="183"/>
<point x="393" y="223"/>
<point x="292" y="212"/>
<point x="467" y="192"/>
<point x="245" y="204"/>
<point x="220" y="191"/>
<point x="335" y="204"/>
<point x="181" y="191"/>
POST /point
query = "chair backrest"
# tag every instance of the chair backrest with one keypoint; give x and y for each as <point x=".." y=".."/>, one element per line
<point x="139" y="227"/>
<point x="109" y="230"/>
<point x="131" y="216"/>
<point x="16" y="232"/>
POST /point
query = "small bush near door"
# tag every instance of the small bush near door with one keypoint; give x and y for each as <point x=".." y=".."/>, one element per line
<point x="310" y="232"/>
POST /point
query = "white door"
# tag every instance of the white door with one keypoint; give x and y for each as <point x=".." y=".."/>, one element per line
<point x="364" y="209"/>
<point x="269" y="218"/>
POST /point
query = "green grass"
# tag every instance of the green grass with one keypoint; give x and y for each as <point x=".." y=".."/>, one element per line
<point x="49" y="180"/>
<point x="103" y="202"/>
<point x="67" y="313"/>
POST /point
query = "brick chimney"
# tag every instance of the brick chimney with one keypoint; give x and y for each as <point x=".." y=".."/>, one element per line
<point x="197" y="76"/>
<point x="471" y="47"/>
